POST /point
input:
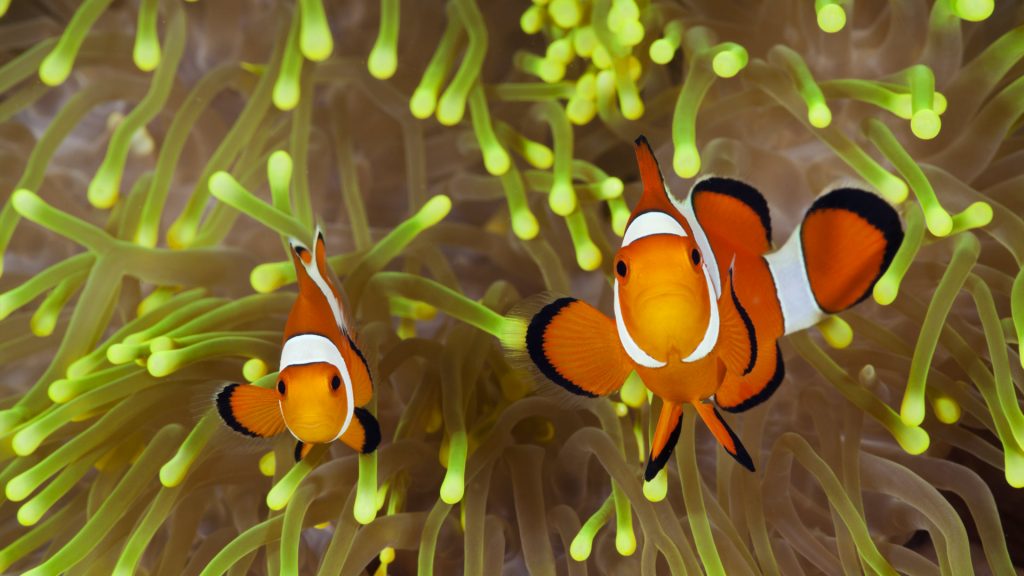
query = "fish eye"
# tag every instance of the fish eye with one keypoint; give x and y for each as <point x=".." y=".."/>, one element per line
<point x="335" y="383"/>
<point x="280" y="386"/>
<point x="620" y="268"/>
<point x="695" y="256"/>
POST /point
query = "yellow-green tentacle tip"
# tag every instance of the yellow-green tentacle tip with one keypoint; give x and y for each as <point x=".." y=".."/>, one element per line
<point x="836" y="331"/>
<point x="383" y="61"/>
<point x="925" y="124"/>
<point x="973" y="10"/>
<point x="831" y="17"/>
<point x="729" y="60"/>
<point x="315" y="38"/>
<point x="819" y="115"/>
<point x="657" y="489"/>
<point x="146" y="53"/>
<point x="434" y="210"/>
<point x="976" y="215"/>
<point x="633" y="392"/>
<point x="364" y="510"/>
<point x="525" y="226"/>
<point x="26" y="441"/>
<point x="888" y="286"/>
<point x="532" y="20"/>
<point x="254" y="369"/>
<point x="454" y="485"/>
<point x="583" y="543"/>
<point x="268" y="464"/>
<point x="266" y="278"/>
<point x="4" y="5"/>
<point x="1014" y="462"/>
<point x="913" y="439"/>
<point x="946" y="409"/>
<point x="686" y="161"/>
<point x="565" y="13"/>
<point x="55" y="69"/>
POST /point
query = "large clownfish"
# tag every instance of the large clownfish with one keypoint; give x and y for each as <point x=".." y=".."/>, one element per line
<point x="324" y="380"/>
<point x="701" y="299"/>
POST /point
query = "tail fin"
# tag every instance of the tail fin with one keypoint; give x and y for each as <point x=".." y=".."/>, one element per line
<point x="845" y="243"/>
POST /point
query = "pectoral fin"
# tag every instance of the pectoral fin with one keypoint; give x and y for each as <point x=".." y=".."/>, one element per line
<point x="250" y="410"/>
<point x="665" y="437"/>
<point x="363" y="434"/>
<point x="576" y="346"/>
<point x="737" y="340"/>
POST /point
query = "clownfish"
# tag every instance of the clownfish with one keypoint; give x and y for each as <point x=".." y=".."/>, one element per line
<point x="324" y="380"/>
<point x="701" y="299"/>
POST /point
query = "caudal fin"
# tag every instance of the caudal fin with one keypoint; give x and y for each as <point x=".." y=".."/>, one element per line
<point x="845" y="243"/>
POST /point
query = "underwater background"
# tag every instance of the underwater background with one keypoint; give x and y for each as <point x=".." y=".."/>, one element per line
<point x="460" y="157"/>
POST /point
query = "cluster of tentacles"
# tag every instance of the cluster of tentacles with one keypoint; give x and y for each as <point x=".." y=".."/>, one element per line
<point x="461" y="157"/>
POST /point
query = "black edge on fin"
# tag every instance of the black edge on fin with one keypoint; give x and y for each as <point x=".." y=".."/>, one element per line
<point x="876" y="212"/>
<point x="767" y="391"/>
<point x="744" y="193"/>
<point x="371" y="430"/>
<point x="359" y="353"/>
<point x="655" y="464"/>
<point x="741" y="455"/>
<point x="224" y="409"/>
<point x="535" y="345"/>
<point x="747" y="323"/>
<point x="298" y="450"/>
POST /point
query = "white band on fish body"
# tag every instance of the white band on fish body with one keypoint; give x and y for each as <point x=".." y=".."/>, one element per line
<point x="793" y="287"/>
<point x="704" y="245"/>
<point x="311" y="348"/>
<point x="635" y="352"/>
<point x="649" y="224"/>
<point x="707" y="344"/>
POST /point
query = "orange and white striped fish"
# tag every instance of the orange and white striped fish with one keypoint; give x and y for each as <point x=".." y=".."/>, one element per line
<point x="324" y="380"/>
<point x="701" y="299"/>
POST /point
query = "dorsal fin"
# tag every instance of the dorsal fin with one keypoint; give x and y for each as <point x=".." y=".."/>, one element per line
<point x="310" y="268"/>
<point x="655" y="196"/>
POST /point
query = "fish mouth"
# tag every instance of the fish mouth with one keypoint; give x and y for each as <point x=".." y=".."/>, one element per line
<point x="664" y="299"/>
<point x="314" y="431"/>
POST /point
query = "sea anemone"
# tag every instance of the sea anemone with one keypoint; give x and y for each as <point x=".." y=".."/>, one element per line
<point x="462" y="157"/>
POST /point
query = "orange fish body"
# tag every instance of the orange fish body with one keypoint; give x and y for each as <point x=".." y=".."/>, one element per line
<point x="324" y="381"/>
<point x="701" y="299"/>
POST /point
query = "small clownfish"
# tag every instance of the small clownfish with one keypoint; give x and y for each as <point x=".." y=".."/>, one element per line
<point x="324" y="380"/>
<point x="701" y="299"/>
